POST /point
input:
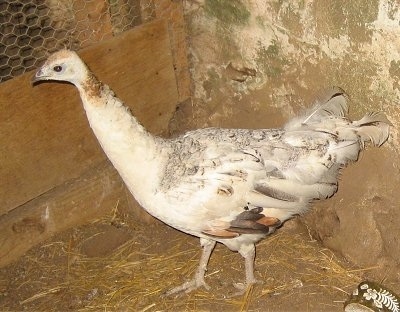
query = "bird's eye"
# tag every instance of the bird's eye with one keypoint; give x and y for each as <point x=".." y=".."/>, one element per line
<point x="57" y="68"/>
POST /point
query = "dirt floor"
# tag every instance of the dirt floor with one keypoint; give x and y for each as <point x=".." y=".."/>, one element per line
<point x="116" y="264"/>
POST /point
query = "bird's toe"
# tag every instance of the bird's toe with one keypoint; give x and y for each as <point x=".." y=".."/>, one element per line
<point x="242" y="288"/>
<point x="188" y="286"/>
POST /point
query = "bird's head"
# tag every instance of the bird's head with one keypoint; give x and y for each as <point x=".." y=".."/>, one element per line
<point x="64" y="65"/>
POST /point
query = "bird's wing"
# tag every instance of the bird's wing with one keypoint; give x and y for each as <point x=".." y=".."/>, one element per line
<point x="220" y="180"/>
<point x="216" y="189"/>
<point x="215" y="169"/>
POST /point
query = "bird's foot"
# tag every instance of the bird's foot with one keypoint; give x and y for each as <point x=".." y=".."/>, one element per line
<point x="188" y="286"/>
<point x="243" y="288"/>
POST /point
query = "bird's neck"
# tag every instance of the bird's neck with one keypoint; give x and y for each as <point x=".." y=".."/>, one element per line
<point x="133" y="151"/>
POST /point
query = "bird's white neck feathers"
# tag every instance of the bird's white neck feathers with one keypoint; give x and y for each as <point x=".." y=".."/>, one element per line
<point x="132" y="150"/>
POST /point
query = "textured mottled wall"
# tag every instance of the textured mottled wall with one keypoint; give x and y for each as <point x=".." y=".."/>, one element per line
<point x="256" y="63"/>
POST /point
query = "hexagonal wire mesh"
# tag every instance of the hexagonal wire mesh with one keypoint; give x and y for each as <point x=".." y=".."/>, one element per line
<point x="32" y="29"/>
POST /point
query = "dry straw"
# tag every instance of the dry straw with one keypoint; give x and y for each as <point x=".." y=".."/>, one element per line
<point x="134" y="276"/>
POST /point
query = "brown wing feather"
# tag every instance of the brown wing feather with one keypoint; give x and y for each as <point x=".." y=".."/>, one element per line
<point x="251" y="221"/>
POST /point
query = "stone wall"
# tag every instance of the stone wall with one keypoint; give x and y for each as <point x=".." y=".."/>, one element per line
<point x="257" y="63"/>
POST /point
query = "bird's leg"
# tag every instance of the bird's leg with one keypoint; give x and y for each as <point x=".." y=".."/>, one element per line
<point x="248" y="253"/>
<point x="249" y="265"/>
<point x="198" y="280"/>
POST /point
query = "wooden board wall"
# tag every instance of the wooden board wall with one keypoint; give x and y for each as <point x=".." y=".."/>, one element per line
<point x="173" y="12"/>
<point x="71" y="204"/>
<point x="53" y="172"/>
<point x="44" y="135"/>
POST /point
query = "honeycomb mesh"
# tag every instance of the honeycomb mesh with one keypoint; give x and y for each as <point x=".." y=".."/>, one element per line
<point x="32" y="29"/>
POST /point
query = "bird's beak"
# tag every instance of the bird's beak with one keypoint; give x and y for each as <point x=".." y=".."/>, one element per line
<point x="39" y="75"/>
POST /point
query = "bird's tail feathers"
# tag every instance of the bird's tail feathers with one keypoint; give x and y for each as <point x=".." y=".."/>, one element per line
<point x="332" y="102"/>
<point x="328" y="115"/>
<point x="373" y="127"/>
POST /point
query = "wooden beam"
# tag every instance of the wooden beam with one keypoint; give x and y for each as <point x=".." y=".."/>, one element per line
<point x="45" y="138"/>
<point x="71" y="204"/>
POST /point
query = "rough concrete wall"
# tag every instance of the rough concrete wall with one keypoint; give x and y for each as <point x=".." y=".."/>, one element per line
<point x="256" y="63"/>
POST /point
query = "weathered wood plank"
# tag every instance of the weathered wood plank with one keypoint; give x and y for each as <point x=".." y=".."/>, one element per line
<point x="71" y="204"/>
<point x="45" y="139"/>
<point x="172" y="11"/>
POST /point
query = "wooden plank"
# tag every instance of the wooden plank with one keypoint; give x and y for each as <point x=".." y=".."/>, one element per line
<point x="45" y="138"/>
<point x="173" y="12"/>
<point x="71" y="204"/>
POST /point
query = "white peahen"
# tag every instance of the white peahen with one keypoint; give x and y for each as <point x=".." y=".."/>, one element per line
<point x="233" y="186"/>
